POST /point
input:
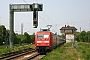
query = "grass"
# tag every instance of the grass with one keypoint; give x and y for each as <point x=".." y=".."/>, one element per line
<point x="67" y="52"/>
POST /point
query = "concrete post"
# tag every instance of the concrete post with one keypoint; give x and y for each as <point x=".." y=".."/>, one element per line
<point x="11" y="37"/>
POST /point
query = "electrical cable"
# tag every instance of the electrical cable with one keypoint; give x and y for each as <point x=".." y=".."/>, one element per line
<point x="43" y="19"/>
<point x="47" y="17"/>
<point x="25" y="1"/>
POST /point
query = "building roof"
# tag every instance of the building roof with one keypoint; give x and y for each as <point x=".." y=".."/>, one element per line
<point x="68" y="28"/>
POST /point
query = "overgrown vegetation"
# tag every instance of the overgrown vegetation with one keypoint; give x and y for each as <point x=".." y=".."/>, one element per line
<point x="17" y="47"/>
<point x="18" y="38"/>
<point x="82" y="36"/>
<point x="67" y="52"/>
<point x="20" y="41"/>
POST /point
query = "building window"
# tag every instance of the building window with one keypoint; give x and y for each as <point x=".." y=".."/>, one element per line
<point x="68" y="31"/>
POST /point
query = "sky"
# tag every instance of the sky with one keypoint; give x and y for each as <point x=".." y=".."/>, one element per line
<point x="57" y="13"/>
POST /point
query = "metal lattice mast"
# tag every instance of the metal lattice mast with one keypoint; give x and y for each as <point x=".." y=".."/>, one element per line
<point x="21" y="8"/>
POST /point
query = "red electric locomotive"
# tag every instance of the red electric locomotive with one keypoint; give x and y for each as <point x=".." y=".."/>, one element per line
<point x="46" y="41"/>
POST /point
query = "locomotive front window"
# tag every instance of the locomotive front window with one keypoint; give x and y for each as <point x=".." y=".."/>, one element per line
<point x="43" y="36"/>
<point x="46" y="36"/>
<point x="40" y="36"/>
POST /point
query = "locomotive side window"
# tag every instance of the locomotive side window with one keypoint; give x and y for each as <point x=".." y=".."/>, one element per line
<point x="43" y="36"/>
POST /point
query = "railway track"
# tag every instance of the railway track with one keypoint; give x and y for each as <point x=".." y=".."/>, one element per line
<point x="15" y="55"/>
<point x="29" y="54"/>
<point x="37" y="57"/>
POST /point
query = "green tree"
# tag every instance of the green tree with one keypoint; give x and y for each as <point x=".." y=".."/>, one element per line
<point x="88" y="36"/>
<point x="77" y="36"/>
<point x="83" y="36"/>
<point x="32" y="38"/>
<point x="27" y="38"/>
<point x="17" y="40"/>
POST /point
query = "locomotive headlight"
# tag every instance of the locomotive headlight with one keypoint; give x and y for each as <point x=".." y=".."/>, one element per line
<point x="46" y="41"/>
<point x="38" y="41"/>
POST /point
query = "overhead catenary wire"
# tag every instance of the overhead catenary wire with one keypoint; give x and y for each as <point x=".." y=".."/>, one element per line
<point x="55" y="25"/>
<point x="39" y="15"/>
<point x="25" y="1"/>
<point x="47" y="17"/>
<point x="43" y="19"/>
<point x="36" y="1"/>
<point x="74" y="22"/>
<point x="62" y="23"/>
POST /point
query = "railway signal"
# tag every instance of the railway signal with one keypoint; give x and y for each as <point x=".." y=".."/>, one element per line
<point x="5" y="36"/>
<point x="36" y="7"/>
<point x="34" y="13"/>
<point x="35" y="18"/>
<point x="4" y="32"/>
<point x="31" y="7"/>
<point x="40" y="7"/>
